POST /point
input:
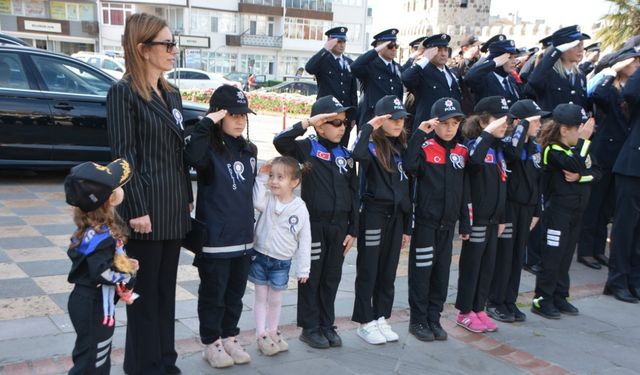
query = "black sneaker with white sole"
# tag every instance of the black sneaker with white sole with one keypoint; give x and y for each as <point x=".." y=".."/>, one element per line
<point x="501" y="314"/>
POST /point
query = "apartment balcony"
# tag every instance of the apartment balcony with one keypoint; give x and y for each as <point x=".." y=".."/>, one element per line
<point x="264" y="7"/>
<point x="315" y="9"/>
<point x="261" y="41"/>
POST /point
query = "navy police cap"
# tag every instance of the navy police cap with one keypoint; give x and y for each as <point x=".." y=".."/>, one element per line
<point x="593" y="47"/>
<point x="503" y="46"/>
<point x="445" y="108"/>
<point x="570" y="114"/>
<point x="328" y="104"/>
<point x="493" y="39"/>
<point x="416" y="42"/>
<point x="390" y="105"/>
<point x="495" y="105"/>
<point x="339" y="33"/>
<point x="567" y="35"/>
<point x="385" y="36"/>
<point x="438" y="40"/>
<point x="546" y="41"/>
<point x="622" y="55"/>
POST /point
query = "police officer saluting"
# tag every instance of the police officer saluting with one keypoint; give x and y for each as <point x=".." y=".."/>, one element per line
<point x="468" y="57"/>
<point x="378" y="73"/>
<point x="493" y="77"/>
<point x="417" y="49"/>
<point x="429" y="78"/>
<point x="333" y="74"/>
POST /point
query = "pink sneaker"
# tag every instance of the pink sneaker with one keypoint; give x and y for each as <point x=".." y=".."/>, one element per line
<point x="484" y="318"/>
<point x="470" y="322"/>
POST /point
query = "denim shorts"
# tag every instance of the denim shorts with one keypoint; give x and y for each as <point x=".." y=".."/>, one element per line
<point x="266" y="270"/>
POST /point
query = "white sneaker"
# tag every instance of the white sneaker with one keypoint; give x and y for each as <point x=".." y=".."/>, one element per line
<point x="386" y="331"/>
<point x="370" y="333"/>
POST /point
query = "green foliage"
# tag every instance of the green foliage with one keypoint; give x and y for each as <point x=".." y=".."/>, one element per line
<point x="622" y="22"/>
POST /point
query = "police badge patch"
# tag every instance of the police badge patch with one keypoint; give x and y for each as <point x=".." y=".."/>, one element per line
<point x="457" y="161"/>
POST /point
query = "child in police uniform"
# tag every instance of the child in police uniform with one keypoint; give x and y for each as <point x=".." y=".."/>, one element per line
<point x="330" y="191"/>
<point x="99" y="269"/>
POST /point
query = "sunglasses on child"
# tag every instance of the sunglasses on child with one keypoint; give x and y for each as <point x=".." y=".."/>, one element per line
<point x="170" y="45"/>
<point x="337" y="123"/>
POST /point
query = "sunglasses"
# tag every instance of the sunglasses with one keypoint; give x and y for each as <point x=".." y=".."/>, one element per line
<point x="392" y="45"/>
<point x="337" y="123"/>
<point x="170" y="45"/>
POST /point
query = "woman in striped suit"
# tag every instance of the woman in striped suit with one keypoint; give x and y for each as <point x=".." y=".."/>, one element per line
<point x="144" y="122"/>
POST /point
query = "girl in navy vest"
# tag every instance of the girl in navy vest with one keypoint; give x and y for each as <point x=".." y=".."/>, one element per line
<point x="226" y="166"/>
<point x="487" y="174"/>
<point x="438" y="162"/>
<point x="330" y="191"/>
<point x="385" y="219"/>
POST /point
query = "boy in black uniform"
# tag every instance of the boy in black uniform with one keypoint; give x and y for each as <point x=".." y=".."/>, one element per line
<point x="330" y="191"/>
<point x="100" y="267"/>
<point x="437" y="161"/>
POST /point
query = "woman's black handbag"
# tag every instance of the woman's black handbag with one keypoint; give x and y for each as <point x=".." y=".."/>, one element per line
<point x="196" y="237"/>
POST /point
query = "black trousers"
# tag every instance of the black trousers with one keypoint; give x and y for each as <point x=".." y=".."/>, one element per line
<point x="560" y="227"/>
<point x="429" y="265"/>
<point x="475" y="271"/>
<point x="150" y="343"/>
<point x="222" y="286"/>
<point x="92" y="350"/>
<point x="593" y="236"/>
<point x="380" y="239"/>
<point x="510" y="254"/>
<point x="624" y="263"/>
<point x="316" y="298"/>
<point x="532" y="253"/>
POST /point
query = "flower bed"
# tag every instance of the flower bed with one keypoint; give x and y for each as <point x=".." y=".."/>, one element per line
<point x="261" y="101"/>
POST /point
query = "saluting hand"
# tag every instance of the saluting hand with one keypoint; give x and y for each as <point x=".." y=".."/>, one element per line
<point x="415" y="54"/>
<point x="217" y="116"/>
<point x="378" y="121"/>
<point x="622" y="64"/>
<point x="430" y="53"/>
<point x="429" y="125"/>
<point x="382" y="46"/>
<point x="471" y="53"/>
<point x="567" y="46"/>
<point x="502" y="59"/>
<point x="497" y="127"/>
<point x="330" y="44"/>
<point x="585" y="130"/>
<point x="318" y="119"/>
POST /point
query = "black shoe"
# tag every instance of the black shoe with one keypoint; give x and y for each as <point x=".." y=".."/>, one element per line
<point x="314" y="338"/>
<point x="635" y="292"/>
<point x="622" y="294"/>
<point x="172" y="370"/>
<point x="518" y="315"/>
<point x="438" y="332"/>
<point x="421" y="331"/>
<point x="533" y="268"/>
<point x="603" y="259"/>
<point x="545" y="308"/>
<point x="565" y="307"/>
<point x="501" y="314"/>
<point x="590" y="262"/>
<point x="332" y="336"/>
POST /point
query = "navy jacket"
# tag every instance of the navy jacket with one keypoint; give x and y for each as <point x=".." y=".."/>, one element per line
<point x="483" y="81"/>
<point x="225" y="191"/>
<point x="628" y="160"/>
<point x="376" y="81"/>
<point x="612" y="123"/>
<point x="429" y="85"/>
<point x="552" y="89"/>
<point x="332" y="79"/>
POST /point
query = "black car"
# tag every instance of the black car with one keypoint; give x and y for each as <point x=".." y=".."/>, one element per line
<point x="53" y="110"/>
<point x="295" y="87"/>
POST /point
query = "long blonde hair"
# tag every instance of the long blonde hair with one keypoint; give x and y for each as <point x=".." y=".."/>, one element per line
<point x="141" y="28"/>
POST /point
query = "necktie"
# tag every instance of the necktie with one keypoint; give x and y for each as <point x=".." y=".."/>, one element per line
<point x="339" y="61"/>
<point x="507" y="86"/>
<point x="446" y="77"/>
<point x="391" y="68"/>
<point x="572" y="78"/>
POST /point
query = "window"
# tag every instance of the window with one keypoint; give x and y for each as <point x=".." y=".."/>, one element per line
<point x="255" y="25"/>
<point x="258" y="64"/>
<point x="72" y="11"/>
<point x="108" y="64"/>
<point x="11" y="73"/>
<point x="214" y="24"/>
<point x="302" y="28"/>
<point x="67" y="77"/>
<point x="29" y="8"/>
<point x="289" y="65"/>
<point x="115" y="14"/>
<point x="354" y="31"/>
<point x="219" y="62"/>
<point x="196" y="75"/>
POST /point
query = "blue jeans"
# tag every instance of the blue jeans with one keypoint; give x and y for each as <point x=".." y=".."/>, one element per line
<point x="266" y="270"/>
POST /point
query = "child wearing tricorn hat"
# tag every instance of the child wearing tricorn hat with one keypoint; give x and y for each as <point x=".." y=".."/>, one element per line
<point x="385" y="218"/>
<point x="226" y="166"/>
<point x="100" y="268"/>
<point x="437" y="161"/>
<point x="330" y="191"/>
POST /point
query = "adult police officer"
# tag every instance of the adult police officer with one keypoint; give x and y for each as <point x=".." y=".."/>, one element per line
<point x="429" y="77"/>
<point x="592" y="56"/>
<point x="333" y="74"/>
<point x="484" y="47"/>
<point x="417" y="49"/>
<point x="468" y="56"/>
<point x="624" y="264"/>
<point x="557" y="79"/>
<point x="378" y="73"/>
<point x="493" y="77"/>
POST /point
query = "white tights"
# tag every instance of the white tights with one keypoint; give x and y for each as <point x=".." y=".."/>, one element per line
<point x="267" y="308"/>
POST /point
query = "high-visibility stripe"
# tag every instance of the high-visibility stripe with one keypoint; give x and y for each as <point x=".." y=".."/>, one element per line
<point x="586" y="178"/>
<point x="585" y="148"/>
<point x="227" y="249"/>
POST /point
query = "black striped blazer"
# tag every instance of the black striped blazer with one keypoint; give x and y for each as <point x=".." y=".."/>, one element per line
<point x="150" y="136"/>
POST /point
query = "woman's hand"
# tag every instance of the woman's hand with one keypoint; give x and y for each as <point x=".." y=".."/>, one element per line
<point x="141" y="224"/>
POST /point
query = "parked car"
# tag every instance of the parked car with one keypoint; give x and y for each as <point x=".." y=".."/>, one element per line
<point x="187" y="79"/>
<point x="114" y="66"/>
<point x="53" y="110"/>
<point x="297" y="87"/>
<point x="12" y="40"/>
<point x="242" y="77"/>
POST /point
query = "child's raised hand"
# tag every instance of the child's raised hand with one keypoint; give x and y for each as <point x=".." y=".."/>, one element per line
<point x="217" y="116"/>
<point x="318" y="119"/>
<point x="378" y="121"/>
<point x="586" y="129"/>
<point x="497" y="127"/>
<point x="265" y="168"/>
<point x="429" y="125"/>
<point x="302" y="280"/>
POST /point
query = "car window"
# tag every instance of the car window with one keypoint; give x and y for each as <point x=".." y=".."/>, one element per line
<point x="196" y="75"/>
<point x="108" y="64"/>
<point x="66" y="77"/>
<point x="95" y="61"/>
<point x="12" y="72"/>
<point x="170" y="75"/>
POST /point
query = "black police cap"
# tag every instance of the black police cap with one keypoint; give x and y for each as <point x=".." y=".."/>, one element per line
<point x="495" y="105"/>
<point x="546" y="41"/>
<point x="567" y="35"/>
<point x="438" y="40"/>
<point x="495" y="38"/>
<point x="526" y="108"/>
<point x="385" y="36"/>
<point x="89" y="185"/>
<point x="416" y="42"/>
<point x="603" y="62"/>
<point x="469" y="40"/>
<point x="328" y="104"/>
<point x="445" y="108"/>
<point x="622" y="55"/>
<point x="229" y="98"/>
<point x="633" y="42"/>
<point x="593" y="47"/>
<point x="390" y="105"/>
<point x="503" y="46"/>
<point x="339" y="33"/>
<point x="570" y="114"/>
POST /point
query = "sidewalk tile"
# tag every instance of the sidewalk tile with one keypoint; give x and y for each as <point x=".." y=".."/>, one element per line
<point x="11" y="271"/>
<point x="24" y="242"/>
<point x="24" y="287"/>
<point x="23" y="307"/>
<point x="11" y="221"/>
<point x="48" y="219"/>
<point x="54" y="284"/>
<point x="60" y="240"/>
<point x="187" y="273"/>
<point x="46" y="268"/>
<point x="27" y="327"/>
<point x="56" y="229"/>
<point x="36" y="254"/>
<point x="18" y="231"/>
